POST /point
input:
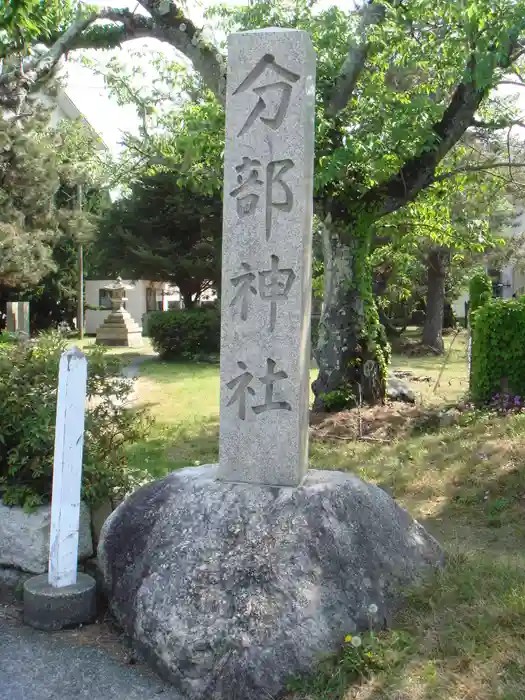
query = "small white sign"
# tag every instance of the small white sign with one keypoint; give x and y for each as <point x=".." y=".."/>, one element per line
<point x="67" y="469"/>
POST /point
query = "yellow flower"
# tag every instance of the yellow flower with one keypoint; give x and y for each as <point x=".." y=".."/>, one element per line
<point x="348" y="638"/>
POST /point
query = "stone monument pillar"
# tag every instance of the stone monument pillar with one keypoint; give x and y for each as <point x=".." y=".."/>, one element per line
<point x="119" y="328"/>
<point x="18" y="317"/>
<point x="266" y="264"/>
<point x="229" y="580"/>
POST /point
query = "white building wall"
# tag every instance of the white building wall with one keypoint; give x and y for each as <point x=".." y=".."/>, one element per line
<point x="136" y="302"/>
<point x="458" y="305"/>
<point x="512" y="278"/>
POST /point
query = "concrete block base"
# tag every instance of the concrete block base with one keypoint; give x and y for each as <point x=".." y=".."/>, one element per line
<point x="119" y="329"/>
<point x="50" y="609"/>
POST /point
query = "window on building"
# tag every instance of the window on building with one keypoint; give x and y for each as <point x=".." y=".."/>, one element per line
<point x="151" y="299"/>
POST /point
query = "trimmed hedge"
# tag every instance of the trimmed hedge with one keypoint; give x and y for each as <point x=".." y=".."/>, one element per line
<point x="185" y="334"/>
<point x="498" y="349"/>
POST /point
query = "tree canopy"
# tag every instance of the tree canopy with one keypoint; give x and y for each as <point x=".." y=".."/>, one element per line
<point x="399" y="87"/>
<point x="161" y="231"/>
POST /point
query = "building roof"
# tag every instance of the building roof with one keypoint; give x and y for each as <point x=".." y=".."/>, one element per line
<point x="71" y="111"/>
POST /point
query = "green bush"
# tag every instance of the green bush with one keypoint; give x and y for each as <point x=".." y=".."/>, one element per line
<point x="28" y="395"/>
<point x="480" y="291"/>
<point x="7" y="339"/>
<point x="498" y="349"/>
<point x="185" y="334"/>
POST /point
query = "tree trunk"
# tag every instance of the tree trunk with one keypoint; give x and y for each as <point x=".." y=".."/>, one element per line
<point x="449" y="317"/>
<point x="349" y="356"/>
<point x="189" y="291"/>
<point x="433" y="328"/>
<point x="187" y="299"/>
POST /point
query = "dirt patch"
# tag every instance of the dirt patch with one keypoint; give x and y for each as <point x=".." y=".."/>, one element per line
<point x="382" y="423"/>
<point x="415" y="348"/>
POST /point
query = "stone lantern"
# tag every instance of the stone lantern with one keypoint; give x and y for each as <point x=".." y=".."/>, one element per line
<point x="119" y="328"/>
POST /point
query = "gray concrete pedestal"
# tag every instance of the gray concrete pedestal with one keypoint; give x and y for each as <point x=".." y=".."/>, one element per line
<point x="50" y="609"/>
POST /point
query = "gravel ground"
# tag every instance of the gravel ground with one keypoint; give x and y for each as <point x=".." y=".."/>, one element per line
<point x="91" y="663"/>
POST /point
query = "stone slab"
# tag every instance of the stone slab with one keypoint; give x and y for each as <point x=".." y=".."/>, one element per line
<point x="50" y="609"/>
<point x="24" y="537"/>
<point x="17" y="320"/>
<point x="399" y="390"/>
<point x="266" y="263"/>
<point x="232" y="589"/>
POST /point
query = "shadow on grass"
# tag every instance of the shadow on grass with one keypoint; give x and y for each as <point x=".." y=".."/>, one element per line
<point x="461" y="635"/>
<point x="478" y="465"/>
<point x="165" y="370"/>
<point x="171" y="447"/>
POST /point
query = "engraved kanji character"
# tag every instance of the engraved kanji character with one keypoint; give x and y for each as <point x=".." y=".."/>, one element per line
<point x="274" y="285"/>
<point x="274" y="174"/>
<point x="269" y="380"/>
<point x="242" y="383"/>
<point x="282" y="87"/>
<point x="244" y="289"/>
<point x="247" y="177"/>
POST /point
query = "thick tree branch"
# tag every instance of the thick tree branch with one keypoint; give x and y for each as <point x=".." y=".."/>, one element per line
<point x="63" y="44"/>
<point x="419" y="172"/>
<point x="38" y="65"/>
<point x="127" y="26"/>
<point x="172" y="26"/>
<point x="166" y="23"/>
<point x="15" y="84"/>
<point x="372" y="14"/>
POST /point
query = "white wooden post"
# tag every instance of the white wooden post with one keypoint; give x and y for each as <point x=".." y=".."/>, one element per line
<point x="67" y="469"/>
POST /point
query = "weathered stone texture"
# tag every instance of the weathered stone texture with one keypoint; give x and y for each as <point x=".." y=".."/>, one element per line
<point x="267" y="245"/>
<point x="24" y="537"/>
<point x="230" y="589"/>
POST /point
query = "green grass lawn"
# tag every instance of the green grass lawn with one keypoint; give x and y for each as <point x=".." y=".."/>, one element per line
<point x="127" y="355"/>
<point x="462" y="636"/>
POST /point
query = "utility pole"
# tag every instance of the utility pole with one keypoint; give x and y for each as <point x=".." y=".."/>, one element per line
<point x="80" y="314"/>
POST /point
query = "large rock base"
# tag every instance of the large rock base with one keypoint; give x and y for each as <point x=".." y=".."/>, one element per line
<point x="231" y="589"/>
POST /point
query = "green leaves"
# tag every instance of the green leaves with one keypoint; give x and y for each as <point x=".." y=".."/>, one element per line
<point x="185" y="334"/>
<point x="28" y="387"/>
<point x="163" y="231"/>
<point x="41" y="169"/>
<point x="498" y="351"/>
<point x="23" y="22"/>
<point x="480" y="290"/>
